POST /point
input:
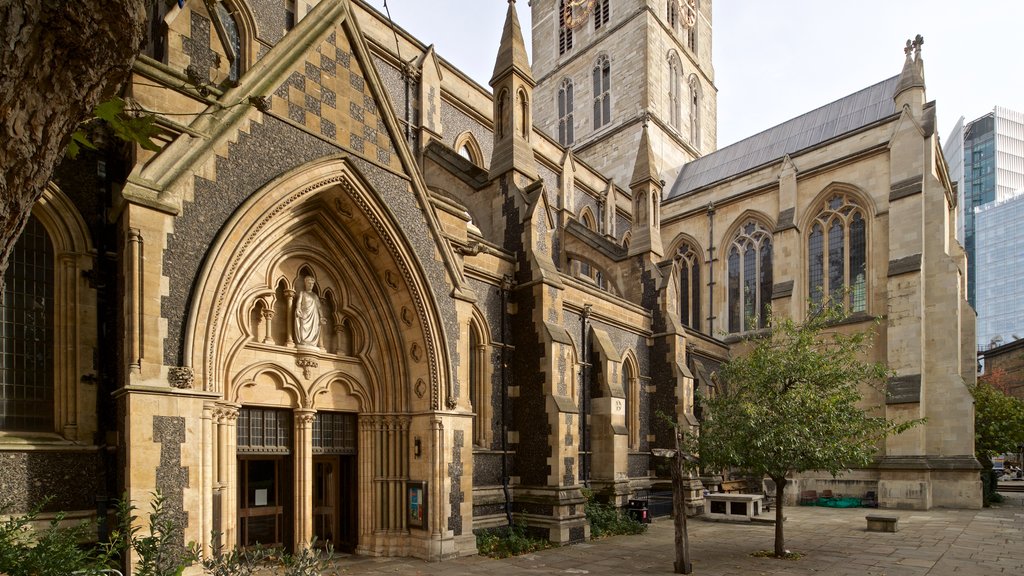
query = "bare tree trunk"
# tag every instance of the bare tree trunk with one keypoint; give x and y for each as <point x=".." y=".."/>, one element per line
<point x="58" y="59"/>
<point x="682" y="540"/>
<point x="780" y="540"/>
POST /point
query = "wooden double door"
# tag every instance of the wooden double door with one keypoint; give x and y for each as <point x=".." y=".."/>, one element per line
<point x="266" y="492"/>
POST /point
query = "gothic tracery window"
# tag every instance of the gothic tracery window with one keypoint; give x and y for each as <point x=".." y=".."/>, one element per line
<point x="837" y="254"/>
<point x="479" y="391"/>
<point x="602" y="92"/>
<point x="232" y="38"/>
<point x="675" y="89"/>
<point x="695" y="106"/>
<point x="688" y="261"/>
<point x="749" y="267"/>
<point x="566" y="137"/>
<point x="26" y="334"/>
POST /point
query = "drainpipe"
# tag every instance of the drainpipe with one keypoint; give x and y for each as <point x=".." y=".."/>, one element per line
<point x="711" y="267"/>
<point x="585" y="393"/>
<point x="506" y="284"/>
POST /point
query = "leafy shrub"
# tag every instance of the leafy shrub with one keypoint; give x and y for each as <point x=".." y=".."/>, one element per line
<point x="510" y="541"/>
<point x="52" y="551"/>
<point x="606" y="520"/>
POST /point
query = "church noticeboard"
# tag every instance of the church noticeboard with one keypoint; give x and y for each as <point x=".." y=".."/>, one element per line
<point x="416" y="497"/>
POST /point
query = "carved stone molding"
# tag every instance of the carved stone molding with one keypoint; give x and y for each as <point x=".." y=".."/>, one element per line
<point x="181" y="377"/>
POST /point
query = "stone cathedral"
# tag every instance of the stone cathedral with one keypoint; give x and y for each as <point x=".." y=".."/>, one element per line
<point x="357" y="296"/>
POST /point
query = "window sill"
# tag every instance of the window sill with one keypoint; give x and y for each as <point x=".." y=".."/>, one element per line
<point x="36" y="441"/>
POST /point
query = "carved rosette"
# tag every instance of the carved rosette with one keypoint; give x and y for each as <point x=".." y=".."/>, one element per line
<point x="181" y="377"/>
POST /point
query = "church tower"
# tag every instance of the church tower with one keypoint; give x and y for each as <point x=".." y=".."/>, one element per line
<point x="601" y="66"/>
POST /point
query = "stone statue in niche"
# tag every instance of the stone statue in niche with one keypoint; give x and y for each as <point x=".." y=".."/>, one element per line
<point x="309" y="317"/>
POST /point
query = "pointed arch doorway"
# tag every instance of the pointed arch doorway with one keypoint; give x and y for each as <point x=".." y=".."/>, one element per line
<point x="312" y="306"/>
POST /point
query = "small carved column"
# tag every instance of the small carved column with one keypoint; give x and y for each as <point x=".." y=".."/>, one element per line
<point x="289" y="298"/>
<point x="367" y="475"/>
<point x="339" y="335"/>
<point x="209" y="448"/>
<point x="268" y="321"/>
<point x="304" y="418"/>
<point x="227" y="471"/>
<point x="135" y="295"/>
<point x="66" y="338"/>
<point x="437" y="488"/>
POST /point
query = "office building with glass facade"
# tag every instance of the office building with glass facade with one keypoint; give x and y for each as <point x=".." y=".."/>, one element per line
<point x="986" y="159"/>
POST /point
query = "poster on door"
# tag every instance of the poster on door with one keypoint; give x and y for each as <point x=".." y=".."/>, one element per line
<point x="416" y="496"/>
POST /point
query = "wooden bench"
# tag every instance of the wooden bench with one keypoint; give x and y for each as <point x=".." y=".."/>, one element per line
<point x="732" y="506"/>
<point x="882" y="522"/>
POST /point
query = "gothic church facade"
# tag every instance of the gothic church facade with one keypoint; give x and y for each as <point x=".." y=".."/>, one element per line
<point x="358" y="297"/>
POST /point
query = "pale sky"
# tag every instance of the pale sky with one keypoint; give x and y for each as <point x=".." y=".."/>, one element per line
<point x="780" y="58"/>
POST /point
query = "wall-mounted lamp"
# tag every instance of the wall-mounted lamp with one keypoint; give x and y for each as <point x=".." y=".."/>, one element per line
<point x="416" y="447"/>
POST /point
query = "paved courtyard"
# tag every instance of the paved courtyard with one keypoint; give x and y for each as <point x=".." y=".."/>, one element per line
<point x="833" y="541"/>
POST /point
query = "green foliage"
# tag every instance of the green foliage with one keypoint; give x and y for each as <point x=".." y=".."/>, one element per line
<point x="57" y="550"/>
<point x="309" y="561"/>
<point x="126" y="122"/>
<point x="794" y="402"/>
<point x="159" y="553"/>
<point x="511" y="541"/>
<point x="606" y="520"/>
<point x="53" y="551"/>
<point x="998" y="420"/>
<point x="233" y="562"/>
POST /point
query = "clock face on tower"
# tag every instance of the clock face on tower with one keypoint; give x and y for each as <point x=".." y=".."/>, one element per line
<point x="576" y="12"/>
<point x="689" y="12"/>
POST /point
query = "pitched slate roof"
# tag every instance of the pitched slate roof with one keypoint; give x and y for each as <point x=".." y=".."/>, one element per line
<point x="831" y="120"/>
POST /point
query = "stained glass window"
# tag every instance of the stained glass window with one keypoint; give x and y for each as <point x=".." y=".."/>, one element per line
<point x="837" y="262"/>
<point x="750" y="277"/>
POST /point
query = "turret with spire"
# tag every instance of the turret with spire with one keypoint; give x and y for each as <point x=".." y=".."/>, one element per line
<point x="910" y="90"/>
<point x="513" y="84"/>
<point x="646" y="186"/>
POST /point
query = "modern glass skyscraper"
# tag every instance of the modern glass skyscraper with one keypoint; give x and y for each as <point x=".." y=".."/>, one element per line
<point x="986" y="159"/>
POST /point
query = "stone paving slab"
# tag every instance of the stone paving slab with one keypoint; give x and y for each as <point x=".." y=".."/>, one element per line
<point x="833" y="541"/>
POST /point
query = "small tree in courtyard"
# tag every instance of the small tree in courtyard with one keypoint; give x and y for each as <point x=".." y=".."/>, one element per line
<point x="793" y="403"/>
<point x="998" y="423"/>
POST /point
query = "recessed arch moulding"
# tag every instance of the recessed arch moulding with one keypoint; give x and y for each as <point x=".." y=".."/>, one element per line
<point x="375" y="342"/>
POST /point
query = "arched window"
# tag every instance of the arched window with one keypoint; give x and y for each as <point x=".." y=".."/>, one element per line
<point x="837" y="254"/>
<point x="232" y="39"/>
<point x="601" y="13"/>
<point x="565" y="115"/>
<point x="695" y="106"/>
<point x="602" y="92"/>
<point x="479" y="391"/>
<point x="524" y="115"/>
<point x="631" y="388"/>
<point x="467" y="147"/>
<point x="26" y="334"/>
<point x="750" y="277"/>
<point x="587" y="219"/>
<point x="48" y="325"/>
<point x="689" y="262"/>
<point x="675" y="90"/>
<point x="672" y="16"/>
<point x="564" y="32"/>
<point x="499" y="122"/>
